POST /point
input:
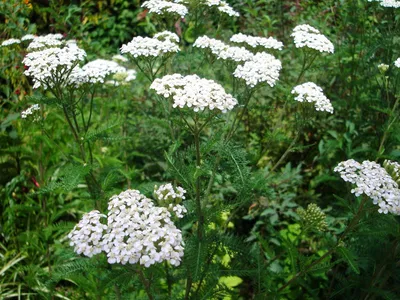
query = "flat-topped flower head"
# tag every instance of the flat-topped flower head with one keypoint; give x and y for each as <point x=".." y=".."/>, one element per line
<point x="223" y="7"/>
<point x="204" y="42"/>
<point x="10" y="42"/>
<point x="171" y="197"/>
<point x="222" y="50"/>
<point x="388" y="3"/>
<point x="194" y="92"/>
<point x="157" y="46"/>
<point x="257" y="41"/>
<point x="87" y="234"/>
<point x="96" y="71"/>
<point x="139" y="232"/>
<point x="308" y="36"/>
<point x="312" y="93"/>
<point x="28" y="37"/>
<point x="53" y="65"/>
<point x="373" y="181"/>
<point x="262" y="67"/>
<point x="45" y="41"/>
<point x="397" y="63"/>
<point x="162" y="7"/>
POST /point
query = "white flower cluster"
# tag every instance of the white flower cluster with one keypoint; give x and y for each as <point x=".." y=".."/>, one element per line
<point x="310" y="92"/>
<point x="374" y="181"/>
<point x="52" y="65"/>
<point x="221" y="50"/>
<point x="161" y="6"/>
<point x="144" y="46"/>
<point x="28" y="37"/>
<point x="29" y="111"/>
<point x="96" y="71"/>
<point x="255" y="41"/>
<point x="166" y="192"/>
<point x="86" y="235"/>
<point x="388" y="3"/>
<point x="137" y="231"/>
<point x="262" y="67"/>
<point x="397" y="63"/>
<point x="170" y="197"/>
<point x="194" y="92"/>
<point x="45" y="41"/>
<point x="308" y="36"/>
<point x="10" y="42"/>
<point x="178" y="6"/>
<point x="222" y="6"/>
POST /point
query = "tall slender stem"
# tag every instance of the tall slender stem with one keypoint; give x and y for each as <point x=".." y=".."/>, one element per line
<point x="146" y="283"/>
<point x="200" y="216"/>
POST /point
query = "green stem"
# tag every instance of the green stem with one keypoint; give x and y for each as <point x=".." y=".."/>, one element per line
<point x="391" y="121"/>
<point x="282" y="158"/>
<point x="146" y="283"/>
<point x="200" y="216"/>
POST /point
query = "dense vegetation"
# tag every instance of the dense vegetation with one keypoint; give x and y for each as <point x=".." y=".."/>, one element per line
<point x="284" y="199"/>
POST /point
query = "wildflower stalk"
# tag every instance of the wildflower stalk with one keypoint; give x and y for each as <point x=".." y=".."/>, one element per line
<point x="282" y="158"/>
<point x="68" y="106"/>
<point x="392" y="119"/>
<point x="146" y="283"/>
<point x="306" y="65"/>
<point x="196" y="134"/>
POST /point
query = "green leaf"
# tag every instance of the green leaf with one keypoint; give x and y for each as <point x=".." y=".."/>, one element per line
<point x="349" y="258"/>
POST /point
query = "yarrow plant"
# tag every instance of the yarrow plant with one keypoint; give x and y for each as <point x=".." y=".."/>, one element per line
<point x="161" y="7"/>
<point x="53" y="66"/>
<point x="373" y="181"/>
<point x="397" y="63"/>
<point x="10" y="42"/>
<point x="312" y="93"/>
<point x="96" y="71"/>
<point x="223" y="51"/>
<point x="171" y="198"/>
<point x="256" y="41"/>
<point x="158" y="45"/>
<point x="28" y="37"/>
<point x="310" y="37"/>
<point x="86" y="235"/>
<point x="262" y="67"/>
<point x="137" y="231"/>
<point x="179" y="7"/>
<point x="45" y="41"/>
<point x="194" y="92"/>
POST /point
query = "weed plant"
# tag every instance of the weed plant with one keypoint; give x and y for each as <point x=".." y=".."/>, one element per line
<point x="199" y="149"/>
